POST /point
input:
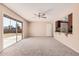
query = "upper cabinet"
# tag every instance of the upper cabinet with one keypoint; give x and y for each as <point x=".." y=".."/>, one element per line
<point x="64" y="25"/>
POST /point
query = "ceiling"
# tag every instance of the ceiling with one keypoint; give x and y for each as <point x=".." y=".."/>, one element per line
<point x="27" y="10"/>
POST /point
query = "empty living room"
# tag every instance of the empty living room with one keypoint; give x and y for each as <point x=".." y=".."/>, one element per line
<point x="39" y="29"/>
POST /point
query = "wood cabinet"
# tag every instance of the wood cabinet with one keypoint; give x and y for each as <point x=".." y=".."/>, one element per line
<point x="68" y="25"/>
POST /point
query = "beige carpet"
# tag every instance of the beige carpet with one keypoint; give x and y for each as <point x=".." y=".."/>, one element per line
<point x="38" y="46"/>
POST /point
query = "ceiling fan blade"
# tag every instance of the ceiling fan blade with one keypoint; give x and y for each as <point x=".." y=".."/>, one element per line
<point x="39" y="14"/>
<point x="43" y="14"/>
<point x="44" y="17"/>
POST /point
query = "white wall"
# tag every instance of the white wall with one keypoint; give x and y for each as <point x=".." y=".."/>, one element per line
<point x="40" y="29"/>
<point x="7" y="11"/>
<point x="49" y="29"/>
<point x="72" y="40"/>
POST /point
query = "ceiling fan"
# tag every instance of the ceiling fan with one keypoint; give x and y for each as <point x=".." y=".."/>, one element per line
<point x="42" y="14"/>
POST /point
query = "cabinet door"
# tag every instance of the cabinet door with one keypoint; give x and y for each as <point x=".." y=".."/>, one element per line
<point x="70" y="23"/>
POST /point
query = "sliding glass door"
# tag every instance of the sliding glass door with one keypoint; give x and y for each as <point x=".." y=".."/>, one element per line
<point x="12" y="30"/>
<point x="19" y="31"/>
<point x="9" y="37"/>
